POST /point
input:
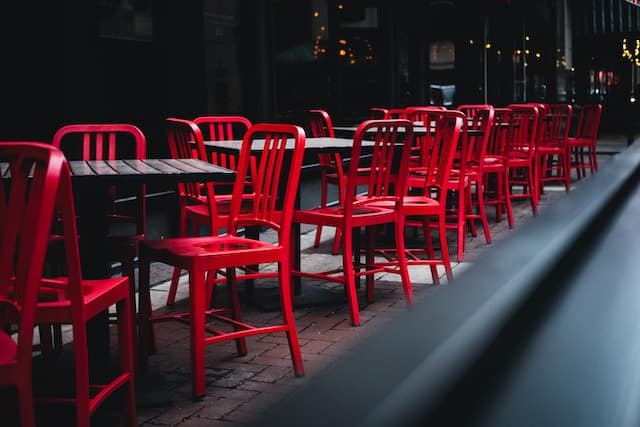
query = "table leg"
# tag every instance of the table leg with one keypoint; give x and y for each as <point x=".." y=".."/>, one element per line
<point x="93" y="229"/>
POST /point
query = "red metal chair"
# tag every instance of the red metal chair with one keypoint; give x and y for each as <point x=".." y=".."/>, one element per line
<point x="494" y="161"/>
<point x="428" y="208"/>
<point x="520" y="154"/>
<point x="27" y="207"/>
<point x="359" y="208"/>
<point x="113" y="141"/>
<point x="186" y="141"/>
<point x="76" y="300"/>
<point x="473" y="172"/>
<point x="200" y="255"/>
<point x="552" y="160"/>
<point x="331" y="171"/>
<point x="581" y="146"/>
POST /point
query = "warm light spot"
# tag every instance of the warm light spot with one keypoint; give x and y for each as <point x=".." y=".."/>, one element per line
<point x="487" y="46"/>
<point x="518" y="52"/>
<point x="573" y="69"/>
<point x="526" y="38"/>
<point x="538" y="55"/>
<point x="316" y="14"/>
<point x="499" y="52"/>
<point x="340" y="6"/>
<point x="342" y="41"/>
<point x="323" y="28"/>
<point x="342" y="52"/>
<point x="526" y="52"/>
<point x="471" y="41"/>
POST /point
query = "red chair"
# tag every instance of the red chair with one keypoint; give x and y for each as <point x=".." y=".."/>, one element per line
<point x="581" y="146"/>
<point x="494" y="161"/>
<point x="71" y="299"/>
<point x="112" y="141"/>
<point x="200" y="255"/>
<point x="553" y="161"/>
<point x="331" y="171"/>
<point x="25" y="224"/>
<point x="428" y="208"/>
<point x="189" y="142"/>
<point x="357" y="211"/>
<point x="520" y="154"/>
<point x="186" y="141"/>
<point x="473" y="172"/>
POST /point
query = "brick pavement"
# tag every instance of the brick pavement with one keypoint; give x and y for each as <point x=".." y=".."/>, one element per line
<point x="238" y="388"/>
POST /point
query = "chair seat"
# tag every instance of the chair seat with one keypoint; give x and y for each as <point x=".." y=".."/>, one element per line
<point x="214" y="249"/>
<point x="334" y="215"/>
<point x="97" y="294"/>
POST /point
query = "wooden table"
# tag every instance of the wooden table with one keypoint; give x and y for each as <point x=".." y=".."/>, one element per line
<point x="91" y="180"/>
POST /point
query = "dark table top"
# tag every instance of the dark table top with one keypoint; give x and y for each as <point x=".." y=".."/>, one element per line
<point x="310" y="144"/>
<point x="167" y="171"/>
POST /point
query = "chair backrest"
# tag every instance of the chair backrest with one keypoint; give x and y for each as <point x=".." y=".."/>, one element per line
<point x="222" y="128"/>
<point x="31" y="174"/>
<point x="186" y="142"/>
<point x="481" y="121"/>
<point x="320" y="124"/>
<point x="589" y="122"/>
<point x="523" y="131"/>
<point x="426" y="117"/>
<point x="444" y="146"/>
<point x="107" y="141"/>
<point x="470" y="110"/>
<point x="276" y="182"/>
<point x="556" y="124"/>
<point x="101" y="141"/>
<point x="499" y="132"/>
<point x="388" y="166"/>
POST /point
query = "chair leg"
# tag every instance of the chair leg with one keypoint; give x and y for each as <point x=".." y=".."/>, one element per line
<point x="197" y="324"/>
<point x="336" y="241"/>
<point x="430" y="252"/>
<point x="323" y="203"/>
<point x="127" y="350"/>
<point x="349" y="278"/>
<point x="25" y="401"/>
<point x="444" y="249"/>
<point x="403" y="265"/>
<point x="462" y="221"/>
<point x="482" y="211"/>
<point x="81" y="356"/>
<point x="287" y="313"/>
<point x="232" y="286"/>
<point x="507" y="196"/>
<point x="533" y="189"/>
<point x="146" y="341"/>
